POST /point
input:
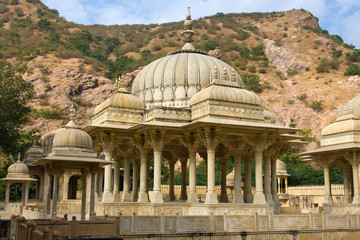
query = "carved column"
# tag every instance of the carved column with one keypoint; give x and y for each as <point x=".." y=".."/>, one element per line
<point x="134" y="193"/>
<point x="192" y="196"/>
<point x="116" y="193"/>
<point x="279" y="184"/>
<point x="47" y="182"/>
<point x="158" y="140"/>
<point x="92" y="192"/>
<point x="26" y="196"/>
<point x="355" y="165"/>
<point x="223" y="195"/>
<point x="108" y="145"/>
<point x="7" y="194"/>
<point x="247" y="183"/>
<point x="259" y="197"/>
<point x="267" y="182"/>
<point x="55" y="193"/>
<point x="183" y="195"/>
<point x="274" y="190"/>
<point x="171" y="180"/>
<point x="209" y="137"/>
<point x="238" y="198"/>
<point x="328" y="197"/>
<point x="346" y="173"/>
<point x="143" y="195"/>
<point x="126" y="195"/>
<point x="83" y="194"/>
<point x="65" y="187"/>
<point x="100" y="183"/>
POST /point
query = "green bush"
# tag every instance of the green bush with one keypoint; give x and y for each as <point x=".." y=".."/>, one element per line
<point x="292" y="71"/>
<point x="55" y="11"/>
<point x="317" y="105"/>
<point x="112" y="43"/>
<point x="156" y="48"/>
<point x="262" y="70"/>
<point x="14" y="2"/>
<point x="354" y="56"/>
<point x="52" y="114"/>
<point x="43" y="24"/>
<point x="353" y="69"/>
<point x="291" y="101"/>
<point x="325" y="65"/>
<point x="280" y="75"/>
<point x="251" y="69"/>
<point x="252" y="82"/>
<point x="242" y="35"/>
<point x="337" y="53"/>
<point x="302" y="97"/>
<point x="19" y="12"/>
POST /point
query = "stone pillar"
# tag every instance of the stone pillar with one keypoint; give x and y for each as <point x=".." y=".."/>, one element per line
<point x="134" y="193"/>
<point x="7" y="194"/>
<point x="55" y="194"/>
<point x="279" y="184"/>
<point x="192" y="196"/>
<point x="183" y="195"/>
<point x="247" y="186"/>
<point x="356" y="199"/>
<point x="143" y="195"/>
<point x="267" y="182"/>
<point x="274" y="190"/>
<point x="65" y="187"/>
<point x="238" y="198"/>
<point x="328" y="197"/>
<point x="116" y="193"/>
<point x="126" y="195"/>
<point x="223" y="195"/>
<point x="26" y="193"/>
<point x="259" y="197"/>
<point x="83" y="196"/>
<point x="92" y="193"/>
<point x="157" y="195"/>
<point x="100" y="183"/>
<point x="47" y="186"/>
<point x="171" y="180"/>
<point x="107" y="195"/>
<point x="210" y="143"/>
<point x="286" y="185"/>
<point x="347" y="198"/>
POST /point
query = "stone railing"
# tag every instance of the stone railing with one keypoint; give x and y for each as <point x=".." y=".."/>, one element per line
<point x="336" y="189"/>
<point x="123" y="226"/>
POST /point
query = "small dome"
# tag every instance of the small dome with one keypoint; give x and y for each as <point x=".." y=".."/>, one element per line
<point x="226" y="91"/>
<point x="353" y="106"/>
<point x="18" y="170"/>
<point x="269" y="116"/>
<point x="230" y="179"/>
<point x="281" y="168"/>
<point x="120" y="99"/>
<point x="343" y="124"/>
<point x="72" y="137"/>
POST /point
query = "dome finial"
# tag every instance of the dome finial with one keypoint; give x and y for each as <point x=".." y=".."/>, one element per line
<point x="188" y="33"/>
<point x="225" y="75"/>
<point x="233" y="76"/>
<point x="216" y="74"/>
<point x="18" y="157"/>
<point x="351" y="109"/>
<point x="339" y="110"/>
<point x="72" y="112"/>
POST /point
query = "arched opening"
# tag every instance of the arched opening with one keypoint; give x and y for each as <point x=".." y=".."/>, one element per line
<point x="283" y="188"/>
<point x="73" y="186"/>
<point x="15" y="192"/>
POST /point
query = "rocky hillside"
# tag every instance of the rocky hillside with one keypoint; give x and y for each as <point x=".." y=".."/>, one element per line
<point x="296" y="67"/>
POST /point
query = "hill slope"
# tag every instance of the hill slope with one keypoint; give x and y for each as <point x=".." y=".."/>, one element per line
<point x="300" y="67"/>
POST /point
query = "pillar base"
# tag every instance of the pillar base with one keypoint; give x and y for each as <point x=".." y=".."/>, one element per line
<point x="134" y="196"/>
<point x="157" y="197"/>
<point x="269" y="198"/>
<point x="259" y="198"/>
<point x="238" y="198"/>
<point x="183" y="196"/>
<point x="116" y="197"/>
<point x="329" y="200"/>
<point x="248" y="198"/>
<point x="143" y="197"/>
<point x="224" y="198"/>
<point x="192" y="198"/>
<point x="211" y="197"/>
<point x="126" y="197"/>
<point x="107" y="196"/>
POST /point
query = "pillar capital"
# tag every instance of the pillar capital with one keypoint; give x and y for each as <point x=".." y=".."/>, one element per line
<point x="157" y="138"/>
<point x="210" y="137"/>
<point x="107" y="141"/>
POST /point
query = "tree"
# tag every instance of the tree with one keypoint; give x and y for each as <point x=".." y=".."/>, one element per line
<point x="353" y="69"/>
<point x="15" y="94"/>
<point x="252" y="82"/>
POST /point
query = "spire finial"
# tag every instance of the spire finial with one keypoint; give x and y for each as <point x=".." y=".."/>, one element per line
<point x="225" y="74"/>
<point x="233" y="75"/>
<point x="188" y="33"/>
<point x="351" y="109"/>
<point x="18" y="158"/>
<point x="72" y="112"/>
<point x="216" y="74"/>
<point x="339" y="110"/>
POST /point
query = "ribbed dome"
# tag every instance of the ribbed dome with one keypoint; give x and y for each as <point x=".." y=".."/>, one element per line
<point x="354" y="106"/>
<point x="281" y="168"/>
<point x="269" y="116"/>
<point x="18" y="170"/>
<point x="226" y="91"/>
<point x="343" y="124"/>
<point x="121" y="99"/>
<point x="72" y="137"/>
<point x="172" y="80"/>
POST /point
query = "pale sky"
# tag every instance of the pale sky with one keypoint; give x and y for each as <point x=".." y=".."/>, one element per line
<point x="341" y="17"/>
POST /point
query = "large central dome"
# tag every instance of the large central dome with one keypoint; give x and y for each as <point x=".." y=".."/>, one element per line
<point x="172" y="80"/>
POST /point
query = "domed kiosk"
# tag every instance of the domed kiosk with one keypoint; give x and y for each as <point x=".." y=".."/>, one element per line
<point x="339" y="147"/>
<point x="184" y="104"/>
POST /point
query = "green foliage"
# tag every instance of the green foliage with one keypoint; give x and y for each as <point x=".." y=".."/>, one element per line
<point x="337" y="53"/>
<point x="280" y="75"/>
<point x="242" y="35"/>
<point x="252" y="82"/>
<point x="52" y="114"/>
<point x="278" y="42"/>
<point x="156" y="48"/>
<point x="15" y="94"/>
<point x="209" y="45"/>
<point x="292" y="71"/>
<point x="43" y="24"/>
<point x="325" y="65"/>
<point x="120" y="65"/>
<point x="337" y="39"/>
<point x="55" y="11"/>
<point x="251" y="69"/>
<point x="353" y="69"/>
<point x="302" y="97"/>
<point x="112" y="43"/>
<point x="14" y="2"/>
<point x="19" y="12"/>
<point x="317" y="105"/>
<point x="354" y="56"/>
